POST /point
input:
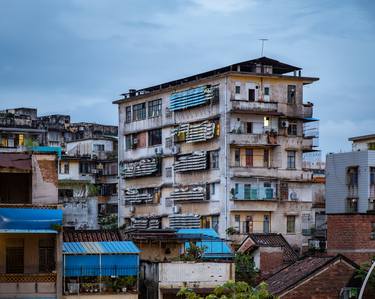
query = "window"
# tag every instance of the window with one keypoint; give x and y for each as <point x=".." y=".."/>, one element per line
<point x="237" y="157"/>
<point x="292" y="129"/>
<point x="251" y="95"/>
<point x="248" y="225"/>
<point x="85" y="167"/>
<point x="21" y="139"/>
<point x="128" y="142"/>
<point x="168" y="172"/>
<point x="238" y="89"/>
<point x="266" y="224"/>
<point x="247" y="191"/>
<point x="352" y="181"/>
<point x="371" y="146"/>
<point x="98" y="147"/>
<point x="46" y="255"/>
<point x="291" y="159"/>
<point x="249" y="157"/>
<point x="237" y="223"/>
<point x="65" y="193"/>
<point x="266" y="158"/>
<point x="213" y="188"/>
<point x="154" y="108"/>
<point x="266" y="121"/>
<point x="372" y="182"/>
<point x="214" y="159"/>
<point x="154" y="137"/>
<point x="64" y="167"/>
<point x="236" y="188"/>
<point x="168" y="142"/>
<point x="372" y="234"/>
<point x="352" y="205"/>
<point x="290" y="224"/>
<point x="128" y="114"/>
<point x="266" y="91"/>
<point x="168" y="113"/>
<point x="291" y="94"/>
<point x="249" y="128"/>
<point x="215" y="223"/>
<point x="139" y="111"/>
<point x="14" y="252"/>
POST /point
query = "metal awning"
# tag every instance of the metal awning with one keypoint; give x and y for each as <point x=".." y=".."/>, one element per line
<point x="116" y="247"/>
<point x="29" y="220"/>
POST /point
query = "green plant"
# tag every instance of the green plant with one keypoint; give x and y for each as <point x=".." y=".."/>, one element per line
<point x="56" y="227"/>
<point x="361" y="274"/>
<point x="245" y="268"/>
<point x="231" y="289"/>
<point x="193" y="252"/>
<point x="92" y="190"/>
<point x="108" y="222"/>
<point x="230" y="230"/>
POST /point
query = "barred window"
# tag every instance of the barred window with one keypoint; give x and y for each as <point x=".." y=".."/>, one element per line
<point x="128" y="114"/>
<point x="139" y="111"/>
<point x="214" y="158"/>
<point x="154" y="108"/>
<point x="154" y="137"/>
<point x="291" y="159"/>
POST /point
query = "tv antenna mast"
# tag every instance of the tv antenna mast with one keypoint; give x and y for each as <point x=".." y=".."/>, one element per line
<point x="263" y="40"/>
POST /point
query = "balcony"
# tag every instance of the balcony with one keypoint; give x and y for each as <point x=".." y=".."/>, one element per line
<point x="252" y="139"/>
<point x="271" y="172"/>
<point x="255" y="107"/>
<point x="299" y="111"/>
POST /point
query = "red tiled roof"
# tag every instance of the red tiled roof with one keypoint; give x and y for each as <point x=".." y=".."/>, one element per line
<point x="269" y="240"/>
<point x="15" y="161"/>
<point x="91" y="235"/>
<point x="291" y="275"/>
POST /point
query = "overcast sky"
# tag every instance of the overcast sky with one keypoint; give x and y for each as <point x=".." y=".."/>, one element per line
<point x="76" y="57"/>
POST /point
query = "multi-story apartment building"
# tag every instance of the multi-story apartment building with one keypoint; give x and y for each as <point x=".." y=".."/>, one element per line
<point x="30" y="226"/>
<point x="350" y="200"/>
<point x="88" y="183"/>
<point x="220" y="149"/>
<point x="87" y="161"/>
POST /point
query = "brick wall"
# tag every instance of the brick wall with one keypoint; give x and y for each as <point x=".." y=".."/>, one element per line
<point x="271" y="259"/>
<point x="325" y="285"/>
<point x="349" y="234"/>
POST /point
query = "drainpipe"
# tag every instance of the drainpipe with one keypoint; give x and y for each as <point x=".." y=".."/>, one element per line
<point x="226" y="156"/>
<point x="366" y="279"/>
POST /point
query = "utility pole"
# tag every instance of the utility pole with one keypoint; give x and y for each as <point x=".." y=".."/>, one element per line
<point x="263" y="40"/>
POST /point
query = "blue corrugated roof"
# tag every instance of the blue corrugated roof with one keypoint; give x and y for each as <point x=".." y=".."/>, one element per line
<point x="117" y="247"/>
<point x="214" y="246"/>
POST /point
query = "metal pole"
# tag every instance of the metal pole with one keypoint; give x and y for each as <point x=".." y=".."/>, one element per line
<point x="100" y="273"/>
<point x="366" y="279"/>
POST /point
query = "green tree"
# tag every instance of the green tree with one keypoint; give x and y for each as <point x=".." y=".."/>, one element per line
<point x="361" y="274"/>
<point x="193" y="252"/>
<point x="245" y="268"/>
<point x="231" y="289"/>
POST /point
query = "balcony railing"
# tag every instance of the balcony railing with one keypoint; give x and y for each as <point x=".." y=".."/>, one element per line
<point x="252" y="139"/>
<point x="240" y="105"/>
<point x="27" y="277"/>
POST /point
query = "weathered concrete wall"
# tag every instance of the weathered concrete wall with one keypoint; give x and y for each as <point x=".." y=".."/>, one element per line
<point x="103" y="296"/>
<point x="44" y="179"/>
<point x="197" y="274"/>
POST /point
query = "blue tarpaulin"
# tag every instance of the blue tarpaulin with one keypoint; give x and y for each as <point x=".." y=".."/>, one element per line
<point x="213" y="246"/>
<point x="28" y="220"/>
<point x="190" y="98"/>
<point x="119" y="258"/>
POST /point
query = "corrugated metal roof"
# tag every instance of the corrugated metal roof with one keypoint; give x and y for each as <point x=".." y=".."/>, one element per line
<point x="118" y="247"/>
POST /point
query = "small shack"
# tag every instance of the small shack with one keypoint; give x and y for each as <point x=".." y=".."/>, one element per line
<point x="97" y="267"/>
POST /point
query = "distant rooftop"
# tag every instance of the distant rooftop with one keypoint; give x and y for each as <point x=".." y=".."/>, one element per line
<point x="256" y="66"/>
<point x="362" y="138"/>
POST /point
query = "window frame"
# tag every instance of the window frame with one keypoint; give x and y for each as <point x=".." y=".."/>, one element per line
<point x="291" y="160"/>
<point x="154" y="108"/>
<point x="155" y="140"/>
<point x="291" y="224"/>
<point x="291" y="94"/>
<point x="139" y="111"/>
<point x="214" y="160"/>
<point x="128" y="114"/>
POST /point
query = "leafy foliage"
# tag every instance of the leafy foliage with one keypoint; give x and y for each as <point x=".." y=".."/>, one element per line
<point x="108" y="222"/>
<point x="361" y="274"/>
<point x="193" y="252"/>
<point x="231" y="289"/>
<point x="245" y="268"/>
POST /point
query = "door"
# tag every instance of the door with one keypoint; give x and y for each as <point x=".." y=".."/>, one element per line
<point x="266" y="224"/>
<point x="249" y="158"/>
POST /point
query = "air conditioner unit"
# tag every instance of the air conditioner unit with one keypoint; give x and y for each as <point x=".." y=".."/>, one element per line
<point x="135" y="140"/>
<point x="176" y="209"/>
<point x="284" y="124"/>
<point x="175" y="149"/>
<point x="132" y="209"/>
<point x="293" y="196"/>
<point x="159" y="151"/>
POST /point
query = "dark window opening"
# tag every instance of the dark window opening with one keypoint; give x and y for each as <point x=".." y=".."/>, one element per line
<point x="291" y="94"/>
<point x="154" y="137"/>
<point x="139" y="111"/>
<point x="292" y="130"/>
<point x="154" y="108"/>
<point x="46" y="255"/>
<point x="15" y="193"/>
<point x="128" y="114"/>
<point x="14" y="256"/>
<point x="251" y="96"/>
<point x="238" y="89"/>
<point x="291" y="159"/>
<point x="249" y="127"/>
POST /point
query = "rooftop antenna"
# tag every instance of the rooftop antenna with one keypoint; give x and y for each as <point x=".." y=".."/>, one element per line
<point x="263" y="40"/>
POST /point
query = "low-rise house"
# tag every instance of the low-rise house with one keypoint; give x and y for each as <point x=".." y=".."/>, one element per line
<point x="269" y="251"/>
<point x="30" y="226"/>
<point x="169" y="264"/>
<point x="101" y="268"/>
<point x="314" y="277"/>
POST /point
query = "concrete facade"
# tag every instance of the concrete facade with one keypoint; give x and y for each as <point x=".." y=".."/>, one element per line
<point x="246" y="182"/>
